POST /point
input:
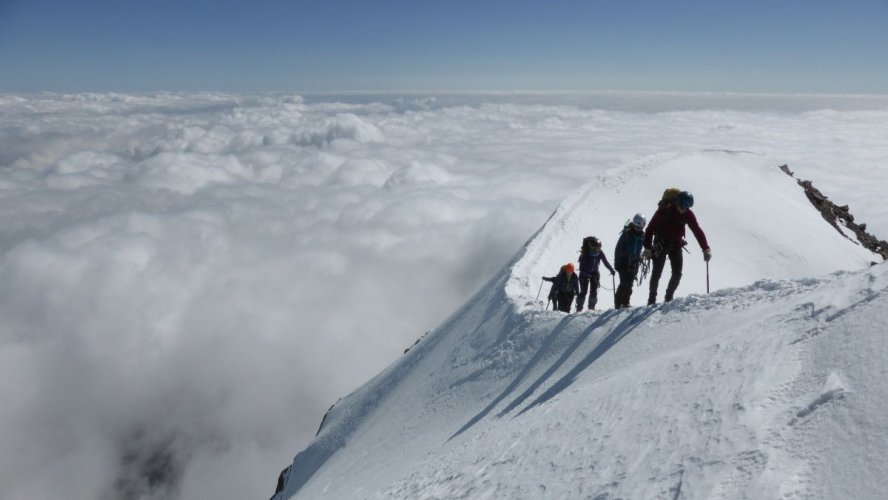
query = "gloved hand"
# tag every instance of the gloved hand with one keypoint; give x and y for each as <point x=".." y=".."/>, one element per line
<point x="707" y="254"/>
<point x="612" y="273"/>
<point x="646" y="254"/>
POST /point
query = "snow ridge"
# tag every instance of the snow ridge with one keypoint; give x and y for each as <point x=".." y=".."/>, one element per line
<point x="742" y="393"/>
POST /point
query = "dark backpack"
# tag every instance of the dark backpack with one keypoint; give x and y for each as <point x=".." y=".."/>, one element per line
<point x="589" y="242"/>
<point x="566" y="284"/>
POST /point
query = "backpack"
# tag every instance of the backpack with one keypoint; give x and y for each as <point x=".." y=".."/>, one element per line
<point x="588" y="243"/>
<point x="566" y="284"/>
<point x="669" y="197"/>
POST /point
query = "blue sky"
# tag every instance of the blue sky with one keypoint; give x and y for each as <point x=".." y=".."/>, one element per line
<point x="792" y="46"/>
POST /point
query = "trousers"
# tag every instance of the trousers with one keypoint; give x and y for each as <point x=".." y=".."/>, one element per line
<point x="624" y="290"/>
<point x="676" y="261"/>
<point x="589" y="284"/>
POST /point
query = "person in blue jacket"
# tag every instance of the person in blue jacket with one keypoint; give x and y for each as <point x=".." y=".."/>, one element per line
<point x="627" y="258"/>
<point x="590" y="279"/>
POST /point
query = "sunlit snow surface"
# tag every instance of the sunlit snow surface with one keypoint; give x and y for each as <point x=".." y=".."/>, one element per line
<point x="771" y="390"/>
<point x="188" y="281"/>
<point x="756" y="219"/>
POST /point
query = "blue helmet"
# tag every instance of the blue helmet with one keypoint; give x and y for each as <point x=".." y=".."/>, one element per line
<point x="685" y="199"/>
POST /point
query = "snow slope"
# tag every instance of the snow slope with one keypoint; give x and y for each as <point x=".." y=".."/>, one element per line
<point x="758" y="223"/>
<point x="773" y="389"/>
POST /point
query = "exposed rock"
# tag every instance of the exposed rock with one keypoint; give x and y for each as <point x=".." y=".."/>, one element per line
<point x="324" y="419"/>
<point x="285" y="474"/>
<point x="149" y="466"/>
<point x="417" y="341"/>
<point x="282" y="481"/>
<point x="840" y="215"/>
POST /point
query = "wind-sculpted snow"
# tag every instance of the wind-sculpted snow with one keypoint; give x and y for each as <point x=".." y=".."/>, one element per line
<point x="188" y="281"/>
<point x="708" y="396"/>
<point x="766" y="391"/>
<point x="759" y="224"/>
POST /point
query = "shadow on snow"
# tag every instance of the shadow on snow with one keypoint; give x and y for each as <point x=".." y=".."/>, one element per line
<point x="619" y="331"/>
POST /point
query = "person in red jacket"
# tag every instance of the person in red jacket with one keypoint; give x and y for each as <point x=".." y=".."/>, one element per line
<point x="664" y="237"/>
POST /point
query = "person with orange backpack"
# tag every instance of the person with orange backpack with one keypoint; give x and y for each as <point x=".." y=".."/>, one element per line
<point x="565" y="285"/>
<point x="664" y="237"/>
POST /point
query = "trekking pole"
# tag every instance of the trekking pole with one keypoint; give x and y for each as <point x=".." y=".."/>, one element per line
<point x="540" y="290"/>
<point x="707" y="277"/>
<point x="614" y="284"/>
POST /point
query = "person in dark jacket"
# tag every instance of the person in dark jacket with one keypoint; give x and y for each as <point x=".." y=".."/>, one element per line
<point x="664" y="237"/>
<point x="590" y="279"/>
<point x="627" y="258"/>
<point x="565" y="285"/>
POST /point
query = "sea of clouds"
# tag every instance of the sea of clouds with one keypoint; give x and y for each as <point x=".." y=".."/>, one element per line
<point x="188" y="281"/>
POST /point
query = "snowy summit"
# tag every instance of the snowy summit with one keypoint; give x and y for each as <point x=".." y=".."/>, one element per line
<point x="770" y="386"/>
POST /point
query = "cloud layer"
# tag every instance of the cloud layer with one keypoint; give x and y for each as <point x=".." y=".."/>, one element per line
<point x="188" y="281"/>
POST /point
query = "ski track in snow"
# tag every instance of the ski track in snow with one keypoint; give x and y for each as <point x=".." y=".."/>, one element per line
<point x="735" y="394"/>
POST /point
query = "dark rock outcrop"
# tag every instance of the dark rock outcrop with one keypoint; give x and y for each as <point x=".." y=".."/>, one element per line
<point x="282" y="481"/>
<point x="324" y="419"/>
<point x="840" y="215"/>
